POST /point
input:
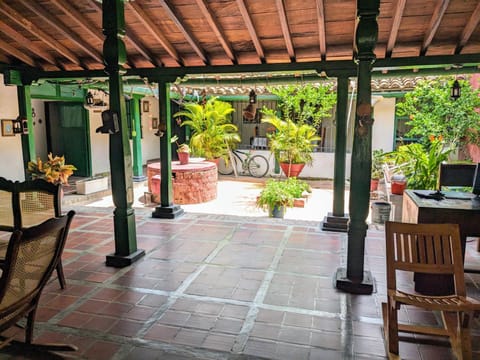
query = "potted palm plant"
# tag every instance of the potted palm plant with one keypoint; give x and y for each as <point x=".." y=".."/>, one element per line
<point x="292" y="143"/>
<point x="213" y="133"/>
<point x="183" y="151"/>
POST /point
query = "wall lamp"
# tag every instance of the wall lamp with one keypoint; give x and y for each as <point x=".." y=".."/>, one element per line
<point x="455" y="92"/>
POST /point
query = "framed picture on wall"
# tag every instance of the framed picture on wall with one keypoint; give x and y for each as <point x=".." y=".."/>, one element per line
<point x="7" y="128"/>
<point x="145" y="106"/>
<point x="154" y="123"/>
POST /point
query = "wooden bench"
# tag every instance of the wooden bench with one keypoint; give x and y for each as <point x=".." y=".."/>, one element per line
<point x="26" y="204"/>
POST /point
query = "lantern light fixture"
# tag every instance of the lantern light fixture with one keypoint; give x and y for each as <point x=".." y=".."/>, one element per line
<point x="455" y="92"/>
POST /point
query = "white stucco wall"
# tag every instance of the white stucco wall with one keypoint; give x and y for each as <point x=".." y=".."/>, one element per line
<point x="150" y="142"/>
<point x="10" y="146"/>
<point x="384" y="124"/>
<point x="99" y="145"/>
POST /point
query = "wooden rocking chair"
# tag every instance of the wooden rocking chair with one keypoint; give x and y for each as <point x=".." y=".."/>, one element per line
<point x="32" y="256"/>
<point x="429" y="249"/>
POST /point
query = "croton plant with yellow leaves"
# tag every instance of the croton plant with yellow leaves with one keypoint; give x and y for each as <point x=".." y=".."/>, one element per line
<point x="54" y="170"/>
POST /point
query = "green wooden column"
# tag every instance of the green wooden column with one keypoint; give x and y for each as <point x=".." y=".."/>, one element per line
<point x="137" y="139"/>
<point x="25" y="112"/>
<point x="354" y="279"/>
<point x="337" y="220"/>
<point x="167" y="209"/>
<point x="126" y="251"/>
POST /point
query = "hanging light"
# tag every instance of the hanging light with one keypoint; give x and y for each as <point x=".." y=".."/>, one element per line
<point x="252" y="97"/>
<point x="455" y="91"/>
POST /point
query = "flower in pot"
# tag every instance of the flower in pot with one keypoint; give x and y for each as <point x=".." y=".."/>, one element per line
<point x="377" y="170"/>
<point x="213" y="134"/>
<point x="183" y="151"/>
<point x="54" y="170"/>
<point x="275" y="197"/>
<point x="292" y="143"/>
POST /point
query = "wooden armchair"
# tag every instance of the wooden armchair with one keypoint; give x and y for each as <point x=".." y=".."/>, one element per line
<point x="31" y="257"/>
<point x="25" y="204"/>
<point x="429" y="249"/>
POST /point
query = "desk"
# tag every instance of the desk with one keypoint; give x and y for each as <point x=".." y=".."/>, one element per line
<point x="465" y="212"/>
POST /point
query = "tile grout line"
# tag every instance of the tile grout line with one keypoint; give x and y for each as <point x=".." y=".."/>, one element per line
<point x="242" y="337"/>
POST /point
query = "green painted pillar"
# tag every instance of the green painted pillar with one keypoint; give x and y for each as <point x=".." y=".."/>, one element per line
<point x="25" y="112"/>
<point x="137" y="139"/>
<point x="337" y="220"/>
<point x="114" y="52"/>
<point x="167" y="209"/>
<point x="354" y="279"/>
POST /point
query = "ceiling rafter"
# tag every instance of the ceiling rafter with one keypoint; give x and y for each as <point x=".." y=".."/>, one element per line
<point x="62" y="28"/>
<point x="20" y="55"/>
<point x="186" y="33"/>
<point x="46" y="38"/>
<point x="150" y="26"/>
<point x="397" y="19"/>
<point x="215" y="26"/>
<point x="321" y="29"/>
<point x="285" y="29"/>
<point x="251" y="29"/>
<point x="469" y="29"/>
<point x="434" y="24"/>
<point x="26" y="43"/>
<point x="132" y="39"/>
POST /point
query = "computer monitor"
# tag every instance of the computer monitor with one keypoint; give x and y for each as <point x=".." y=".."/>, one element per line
<point x="476" y="181"/>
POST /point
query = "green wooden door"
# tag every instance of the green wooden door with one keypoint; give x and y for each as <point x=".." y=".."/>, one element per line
<point x="69" y="135"/>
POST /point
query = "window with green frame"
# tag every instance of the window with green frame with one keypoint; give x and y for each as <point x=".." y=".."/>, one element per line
<point x="401" y="128"/>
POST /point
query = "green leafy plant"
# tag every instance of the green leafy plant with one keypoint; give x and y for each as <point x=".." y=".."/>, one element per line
<point x="433" y="113"/>
<point x="306" y="103"/>
<point x="297" y="187"/>
<point x="292" y="143"/>
<point x="377" y="161"/>
<point x="213" y="134"/>
<point x="420" y="163"/>
<point x="275" y="193"/>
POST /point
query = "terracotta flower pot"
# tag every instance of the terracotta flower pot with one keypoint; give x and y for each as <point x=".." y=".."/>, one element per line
<point x="292" y="170"/>
<point x="183" y="157"/>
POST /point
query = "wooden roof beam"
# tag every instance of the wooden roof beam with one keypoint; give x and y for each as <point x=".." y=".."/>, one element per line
<point x="46" y="38"/>
<point x="150" y="26"/>
<point x="215" y="26"/>
<point x="321" y="29"/>
<point x="57" y="24"/>
<point x="132" y="39"/>
<point x="469" y="29"/>
<point x="20" y="55"/>
<point x="26" y="43"/>
<point x="397" y="19"/>
<point x="186" y="33"/>
<point x="251" y="29"/>
<point x="434" y="24"/>
<point x="285" y="30"/>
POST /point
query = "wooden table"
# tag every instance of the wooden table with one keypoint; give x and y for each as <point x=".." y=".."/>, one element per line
<point x="457" y="208"/>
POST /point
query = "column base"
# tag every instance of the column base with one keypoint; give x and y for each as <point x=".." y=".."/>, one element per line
<point x="335" y="223"/>
<point x="168" y="212"/>
<point x="365" y="287"/>
<point x="119" y="261"/>
<point x="139" y="178"/>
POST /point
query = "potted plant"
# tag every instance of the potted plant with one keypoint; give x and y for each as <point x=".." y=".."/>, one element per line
<point x="292" y="143"/>
<point x="213" y="134"/>
<point x="183" y="151"/>
<point x="275" y="197"/>
<point x="377" y="170"/>
<point x="54" y="170"/>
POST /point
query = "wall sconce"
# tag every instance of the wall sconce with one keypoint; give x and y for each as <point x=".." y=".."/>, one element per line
<point x="455" y="92"/>
<point x="89" y="99"/>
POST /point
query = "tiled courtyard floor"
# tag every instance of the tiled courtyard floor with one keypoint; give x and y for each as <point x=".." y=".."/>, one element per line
<point x="216" y="286"/>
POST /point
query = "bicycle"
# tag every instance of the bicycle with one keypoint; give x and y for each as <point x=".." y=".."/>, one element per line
<point x="253" y="165"/>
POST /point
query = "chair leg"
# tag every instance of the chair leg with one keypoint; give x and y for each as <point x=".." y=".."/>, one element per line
<point x="61" y="275"/>
<point x="390" y="328"/>
<point x="457" y="325"/>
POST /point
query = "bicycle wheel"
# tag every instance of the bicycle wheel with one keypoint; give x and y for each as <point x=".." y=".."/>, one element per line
<point x="225" y="169"/>
<point x="258" y="166"/>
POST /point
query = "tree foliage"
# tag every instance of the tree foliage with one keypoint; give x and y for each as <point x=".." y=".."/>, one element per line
<point x="305" y="104"/>
<point x="433" y="113"/>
